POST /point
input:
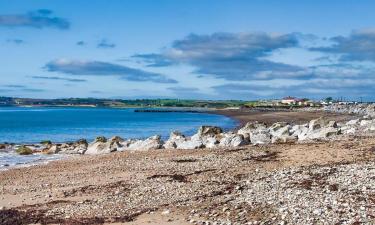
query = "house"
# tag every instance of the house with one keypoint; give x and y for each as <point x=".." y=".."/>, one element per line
<point x="290" y="100"/>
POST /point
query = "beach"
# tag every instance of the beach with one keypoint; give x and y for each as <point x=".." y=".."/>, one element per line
<point x="169" y="186"/>
<point x="271" y="116"/>
<point x="252" y="184"/>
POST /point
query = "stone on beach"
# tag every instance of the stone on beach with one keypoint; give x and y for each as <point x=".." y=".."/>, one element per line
<point x="260" y="136"/>
<point x="100" y="146"/>
<point x="150" y="143"/>
<point x="232" y="140"/>
<point x="175" y="139"/>
<point x="207" y="136"/>
<point x="193" y="143"/>
<point x="24" y="150"/>
<point x="280" y="133"/>
<point x="51" y="149"/>
<point x="209" y="131"/>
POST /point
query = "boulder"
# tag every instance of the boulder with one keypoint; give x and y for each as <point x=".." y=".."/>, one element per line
<point x="281" y="133"/>
<point x="299" y="131"/>
<point x="364" y="123"/>
<point x="175" y="138"/>
<point x="210" y="142"/>
<point x="150" y="143"/>
<point x="232" y="140"/>
<point x="51" y="149"/>
<point x="100" y="146"/>
<point x="317" y="124"/>
<point x="280" y="128"/>
<point x="209" y="131"/>
<point x="349" y="130"/>
<point x="332" y="124"/>
<point x="78" y="147"/>
<point x="353" y="122"/>
<point x="116" y="143"/>
<point x="323" y="133"/>
<point x="250" y="126"/>
<point x="283" y="139"/>
<point x="24" y="150"/>
<point x="260" y="136"/>
<point x="191" y="144"/>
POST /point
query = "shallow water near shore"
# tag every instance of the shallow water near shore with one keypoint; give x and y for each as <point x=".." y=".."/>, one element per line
<point x="63" y="124"/>
<point x="13" y="160"/>
<point x="32" y="125"/>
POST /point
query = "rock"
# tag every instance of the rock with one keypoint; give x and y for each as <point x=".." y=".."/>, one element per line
<point x="317" y="124"/>
<point x="351" y="130"/>
<point x="280" y="133"/>
<point x="175" y="138"/>
<point x="100" y="146"/>
<point x="251" y="126"/>
<point x="191" y="144"/>
<point x="323" y="133"/>
<point x="207" y="136"/>
<point x="365" y="123"/>
<point x="283" y="138"/>
<point x="150" y="143"/>
<point x="46" y="142"/>
<point x="165" y="212"/>
<point x="52" y="149"/>
<point x="353" y="122"/>
<point x="277" y="126"/>
<point x="115" y="143"/>
<point x="23" y="150"/>
<point x="332" y="124"/>
<point x="299" y="131"/>
<point x="260" y="136"/>
<point x="211" y="142"/>
<point x="78" y="147"/>
<point x="232" y="140"/>
<point x="209" y="131"/>
<point x="101" y="139"/>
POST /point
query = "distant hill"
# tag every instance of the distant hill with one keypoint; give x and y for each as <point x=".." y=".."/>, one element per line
<point x="93" y="102"/>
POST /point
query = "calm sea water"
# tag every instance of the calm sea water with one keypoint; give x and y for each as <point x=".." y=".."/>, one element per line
<point x="27" y="125"/>
<point x="31" y="125"/>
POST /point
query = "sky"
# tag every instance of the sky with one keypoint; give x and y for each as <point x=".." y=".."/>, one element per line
<point x="192" y="49"/>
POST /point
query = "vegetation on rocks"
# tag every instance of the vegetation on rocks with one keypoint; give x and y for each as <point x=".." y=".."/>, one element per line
<point x="46" y="142"/>
<point x="23" y="150"/>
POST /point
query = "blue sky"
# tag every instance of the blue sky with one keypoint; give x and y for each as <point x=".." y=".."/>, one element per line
<point x="196" y="49"/>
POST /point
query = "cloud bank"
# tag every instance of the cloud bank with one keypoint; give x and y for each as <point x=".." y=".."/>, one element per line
<point x="226" y="55"/>
<point x="243" y="62"/>
<point x="97" y="68"/>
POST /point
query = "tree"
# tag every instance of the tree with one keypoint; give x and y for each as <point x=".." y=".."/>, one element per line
<point x="328" y="99"/>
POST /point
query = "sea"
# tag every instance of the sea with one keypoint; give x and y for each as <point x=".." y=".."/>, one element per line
<point x="22" y="125"/>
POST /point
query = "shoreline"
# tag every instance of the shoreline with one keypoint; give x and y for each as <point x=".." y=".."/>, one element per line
<point x="243" y="116"/>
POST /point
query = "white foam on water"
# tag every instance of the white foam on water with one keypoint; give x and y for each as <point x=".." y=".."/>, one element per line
<point x="10" y="160"/>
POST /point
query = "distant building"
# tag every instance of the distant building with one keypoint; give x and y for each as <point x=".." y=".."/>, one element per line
<point x="290" y="100"/>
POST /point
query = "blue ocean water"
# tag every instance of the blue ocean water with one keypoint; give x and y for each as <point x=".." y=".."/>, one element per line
<point x="31" y="125"/>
